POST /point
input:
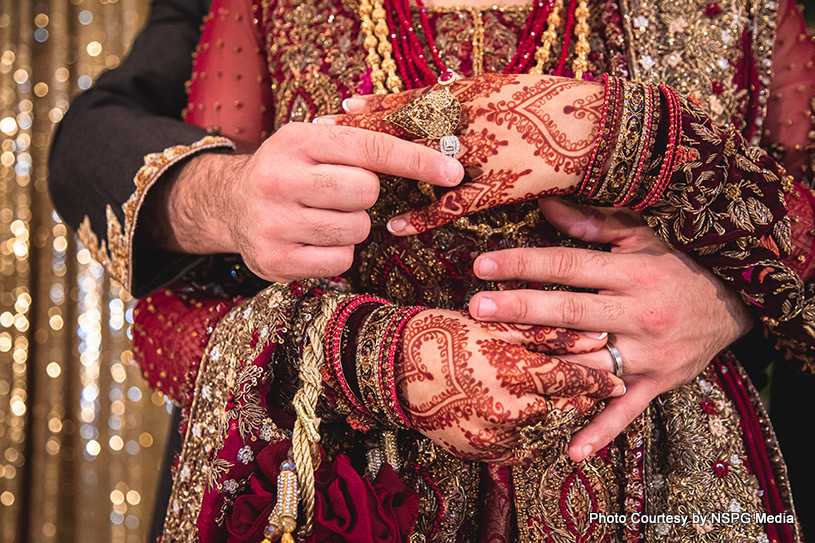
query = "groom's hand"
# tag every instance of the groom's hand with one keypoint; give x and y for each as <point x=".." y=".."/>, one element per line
<point x="667" y="316"/>
<point x="295" y="207"/>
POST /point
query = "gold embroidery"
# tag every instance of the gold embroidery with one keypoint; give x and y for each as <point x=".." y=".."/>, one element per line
<point x="448" y="489"/>
<point x="777" y="464"/>
<point x="696" y="463"/>
<point x="315" y="55"/>
<point x="115" y="254"/>
<point x="89" y="239"/>
<point x="118" y="247"/>
<point x="226" y="373"/>
<point x="699" y="50"/>
<point x="555" y="497"/>
<point x="302" y="101"/>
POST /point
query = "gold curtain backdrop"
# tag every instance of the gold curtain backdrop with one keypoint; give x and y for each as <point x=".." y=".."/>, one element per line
<point x="81" y="435"/>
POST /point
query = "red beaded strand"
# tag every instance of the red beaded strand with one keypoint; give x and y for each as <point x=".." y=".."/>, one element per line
<point x="567" y="38"/>
<point x="529" y="38"/>
<point x="406" y="71"/>
<point x="409" y="52"/>
<point x="431" y="43"/>
<point x="414" y="50"/>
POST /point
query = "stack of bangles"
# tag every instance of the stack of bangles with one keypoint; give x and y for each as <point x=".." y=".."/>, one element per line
<point x="639" y="135"/>
<point x="360" y="377"/>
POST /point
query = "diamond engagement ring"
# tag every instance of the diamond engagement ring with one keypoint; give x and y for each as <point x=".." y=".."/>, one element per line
<point x="434" y="116"/>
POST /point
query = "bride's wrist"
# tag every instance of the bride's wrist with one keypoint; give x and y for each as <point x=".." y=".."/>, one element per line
<point x="639" y="122"/>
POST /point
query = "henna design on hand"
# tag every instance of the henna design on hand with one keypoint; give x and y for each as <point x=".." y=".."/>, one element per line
<point x="495" y="442"/>
<point x="490" y="189"/>
<point x="522" y="372"/>
<point x="463" y="396"/>
<point x="542" y="339"/>
<point x="480" y="147"/>
<point x="470" y="391"/>
<point x="482" y="86"/>
<point x="530" y="114"/>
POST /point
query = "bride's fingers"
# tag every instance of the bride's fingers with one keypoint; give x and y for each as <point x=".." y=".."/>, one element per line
<point x="520" y="372"/>
<point x="491" y="189"/>
<point x="369" y="121"/>
<point x="599" y="360"/>
<point x="557" y="377"/>
<point x="547" y="339"/>
<point x="377" y="102"/>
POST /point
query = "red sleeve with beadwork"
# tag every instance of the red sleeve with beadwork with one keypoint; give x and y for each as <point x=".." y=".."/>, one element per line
<point x="171" y="329"/>
<point x="230" y="92"/>
<point x="789" y="132"/>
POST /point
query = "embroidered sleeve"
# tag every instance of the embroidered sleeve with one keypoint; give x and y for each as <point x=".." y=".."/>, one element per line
<point x="115" y="250"/>
<point x="116" y="133"/>
<point x="727" y="203"/>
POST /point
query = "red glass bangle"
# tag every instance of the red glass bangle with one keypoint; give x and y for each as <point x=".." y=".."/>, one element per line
<point x="333" y="346"/>
<point x="669" y="158"/>
<point x="388" y="365"/>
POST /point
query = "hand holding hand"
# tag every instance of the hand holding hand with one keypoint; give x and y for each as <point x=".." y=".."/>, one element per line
<point x="667" y="316"/>
<point x="522" y="136"/>
<point x="469" y="386"/>
<point x="295" y="207"/>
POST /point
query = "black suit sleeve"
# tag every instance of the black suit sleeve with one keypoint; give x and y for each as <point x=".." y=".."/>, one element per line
<point x="119" y="137"/>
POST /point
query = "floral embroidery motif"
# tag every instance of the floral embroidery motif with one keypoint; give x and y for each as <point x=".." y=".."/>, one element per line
<point x="699" y="463"/>
<point x="697" y="43"/>
<point x="223" y="382"/>
<point x="307" y="40"/>
<point x="555" y="497"/>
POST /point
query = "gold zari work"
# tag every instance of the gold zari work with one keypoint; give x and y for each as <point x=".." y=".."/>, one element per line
<point x="662" y="462"/>
<point x="116" y="254"/>
<point x="226" y="375"/>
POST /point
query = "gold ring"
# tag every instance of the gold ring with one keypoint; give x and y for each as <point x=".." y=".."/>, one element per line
<point x="435" y="116"/>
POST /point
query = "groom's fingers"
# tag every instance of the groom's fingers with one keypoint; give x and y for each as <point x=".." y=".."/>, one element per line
<point x="584" y="268"/>
<point x="577" y="310"/>
<point x="618" y="413"/>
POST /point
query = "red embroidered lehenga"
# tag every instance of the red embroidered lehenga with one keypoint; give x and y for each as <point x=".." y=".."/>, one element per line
<point x="230" y="355"/>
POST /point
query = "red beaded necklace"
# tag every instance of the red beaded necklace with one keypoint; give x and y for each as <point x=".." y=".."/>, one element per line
<point x="390" y="35"/>
<point x="413" y="54"/>
<point x="412" y="63"/>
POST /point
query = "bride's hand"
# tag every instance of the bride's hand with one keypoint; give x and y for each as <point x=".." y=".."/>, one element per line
<point x="469" y="385"/>
<point x="522" y="136"/>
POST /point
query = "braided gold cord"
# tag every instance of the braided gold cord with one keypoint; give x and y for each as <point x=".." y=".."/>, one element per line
<point x="306" y="435"/>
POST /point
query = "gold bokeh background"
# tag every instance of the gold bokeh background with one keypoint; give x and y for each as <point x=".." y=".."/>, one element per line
<point x="81" y="435"/>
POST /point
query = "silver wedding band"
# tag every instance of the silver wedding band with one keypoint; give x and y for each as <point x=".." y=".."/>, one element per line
<point x="618" y="360"/>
